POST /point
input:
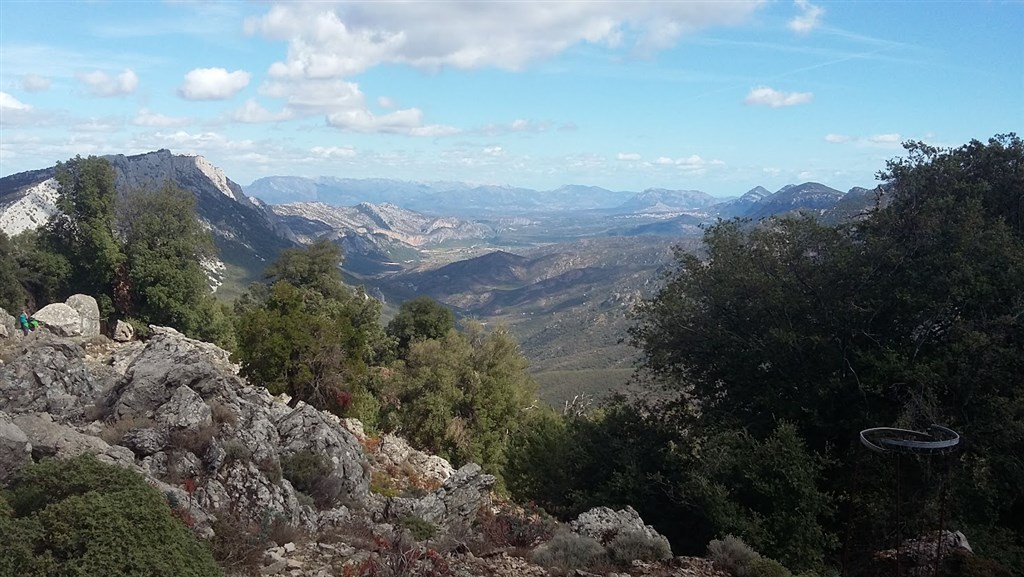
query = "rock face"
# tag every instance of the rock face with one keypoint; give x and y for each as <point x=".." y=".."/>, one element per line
<point x="8" y="325"/>
<point x="176" y="410"/>
<point x="221" y="450"/>
<point x="604" y="524"/>
<point x="123" y="332"/>
<point x="60" y="319"/>
<point x="88" y="311"/>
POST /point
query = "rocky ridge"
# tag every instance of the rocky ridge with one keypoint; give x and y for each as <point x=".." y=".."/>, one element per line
<point x="222" y="450"/>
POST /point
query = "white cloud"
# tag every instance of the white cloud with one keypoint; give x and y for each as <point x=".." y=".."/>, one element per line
<point x="100" y="125"/>
<point x="765" y="96"/>
<point x="146" y="117"/>
<point x="332" y="39"/>
<point x="252" y="112"/>
<point x="328" y="42"/>
<point x="102" y="84"/>
<point x="837" y="138"/>
<point x="808" y="19"/>
<point x="213" y="84"/>
<point x="629" y="156"/>
<point x="333" y="152"/>
<point x="34" y="83"/>
<point x="8" y="102"/>
<point x="892" y="138"/>
<point x="494" y="151"/>
<point x="362" y="120"/>
<point x="692" y="165"/>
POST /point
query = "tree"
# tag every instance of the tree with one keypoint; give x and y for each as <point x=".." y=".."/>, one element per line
<point x="12" y="294"/>
<point x="83" y="229"/>
<point x="460" y="396"/>
<point x="164" y="246"/>
<point x="420" y="318"/>
<point x="309" y="335"/>
<point x="910" y="317"/>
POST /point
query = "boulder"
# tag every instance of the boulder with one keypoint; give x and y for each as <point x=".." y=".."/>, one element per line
<point x="453" y="507"/>
<point x="307" y="429"/>
<point x="60" y="319"/>
<point x="15" y="448"/>
<point x="185" y="410"/>
<point x="604" y="524"/>
<point x="52" y="439"/>
<point x="123" y="331"/>
<point x="88" y="311"/>
<point x="51" y="376"/>
<point x="394" y="452"/>
<point x="8" y="325"/>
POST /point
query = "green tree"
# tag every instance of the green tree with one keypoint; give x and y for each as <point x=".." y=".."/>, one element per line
<point x="420" y="318"/>
<point x="910" y="317"/>
<point x="83" y="229"/>
<point x="309" y="335"/>
<point x="460" y="396"/>
<point x="12" y="294"/>
<point x="164" y="244"/>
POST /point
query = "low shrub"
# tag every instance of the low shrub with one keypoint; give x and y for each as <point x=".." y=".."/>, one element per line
<point x="420" y="529"/>
<point x="83" y="517"/>
<point x="569" y="551"/>
<point x="313" y="474"/>
<point x="731" y="555"/>
<point x="629" y="546"/>
<point x="765" y="567"/>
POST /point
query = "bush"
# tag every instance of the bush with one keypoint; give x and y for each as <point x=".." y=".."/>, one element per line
<point x="731" y="555"/>
<point x="569" y="551"/>
<point x="629" y="546"/>
<point x="765" y="567"/>
<point x="84" y="517"/>
<point x="420" y="529"/>
<point x="313" y="474"/>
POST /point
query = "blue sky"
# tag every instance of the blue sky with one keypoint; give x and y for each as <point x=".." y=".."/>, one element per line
<point x="714" y="96"/>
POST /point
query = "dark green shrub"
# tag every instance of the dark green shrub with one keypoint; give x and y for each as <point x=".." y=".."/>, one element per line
<point x="731" y="555"/>
<point x="629" y="546"/>
<point x="312" y="474"/>
<point x="419" y="528"/>
<point x="83" y="517"/>
<point x="765" y="567"/>
<point x="569" y="551"/>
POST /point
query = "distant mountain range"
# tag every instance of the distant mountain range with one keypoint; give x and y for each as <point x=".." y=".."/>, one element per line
<point x="561" y="267"/>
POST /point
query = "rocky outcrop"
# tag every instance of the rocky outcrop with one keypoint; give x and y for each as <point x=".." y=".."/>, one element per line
<point x="88" y="313"/>
<point x="8" y="325"/>
<point x="224" y="451"/>
<point x="604" y="524"/>
<point x="60" y="319"/>
<point x="50" y="375"/>
<point x="123" y="331"/>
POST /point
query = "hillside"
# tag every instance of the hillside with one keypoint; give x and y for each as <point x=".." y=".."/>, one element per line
<point x="222" y="453"/>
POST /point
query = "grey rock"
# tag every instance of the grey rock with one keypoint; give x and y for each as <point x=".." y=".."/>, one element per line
<point x="307" y="429"/>
<point x="15" y="448"/>
<point x="453" y="506"/>
<point x="52" y="439"/>
<point x="60" y="319"/>
<point x="145" y="441"/>
<point x="604" y="524"/>
<point x="123" y="332"/>
<point x="394" y="451"/>
<point x="185" y="410"/>
<point x="51" y="376"/>
<point x="88" y="311"/>
<point x="8" y="325"/>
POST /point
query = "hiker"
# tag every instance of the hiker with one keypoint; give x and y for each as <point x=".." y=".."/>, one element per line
<point x="24" y="322"/>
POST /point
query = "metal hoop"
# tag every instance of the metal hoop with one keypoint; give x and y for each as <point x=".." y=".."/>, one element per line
<point x="938" y="439"/>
